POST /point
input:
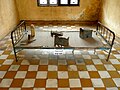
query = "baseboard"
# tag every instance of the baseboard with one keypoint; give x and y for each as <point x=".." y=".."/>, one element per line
<point x="60" y="22"/>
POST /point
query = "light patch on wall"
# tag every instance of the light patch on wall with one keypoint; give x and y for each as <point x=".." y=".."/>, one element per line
<point x="113" y="26"/>
<point x="88" y="13"/>
<point x="110" y="15"/>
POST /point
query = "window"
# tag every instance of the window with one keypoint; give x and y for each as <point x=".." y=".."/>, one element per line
<point x="64" y="2"/>
<point x="73" y="2"/>
<point x="58" y="2"/>
<point x="43" y="2"/>
<point x="53" y="2"/>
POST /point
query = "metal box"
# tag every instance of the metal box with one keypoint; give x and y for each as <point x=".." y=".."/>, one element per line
<point x="85" y="33"/>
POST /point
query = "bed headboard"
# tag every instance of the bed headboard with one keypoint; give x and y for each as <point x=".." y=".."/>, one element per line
<point x="18" y="32"/>
<point x="106" y="33"/>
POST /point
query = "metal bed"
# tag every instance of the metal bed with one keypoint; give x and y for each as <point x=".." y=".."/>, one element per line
<point x="102" y="38"/>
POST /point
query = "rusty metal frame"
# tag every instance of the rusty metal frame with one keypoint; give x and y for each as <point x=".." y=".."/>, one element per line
<point x="18" y="33"/>
<point x="107" y="35"/>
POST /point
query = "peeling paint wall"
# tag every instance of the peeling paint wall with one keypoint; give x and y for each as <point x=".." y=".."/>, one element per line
<point x="110" y="15"/>
<point x="8" y="17"/>
<point x="87" y="11"/>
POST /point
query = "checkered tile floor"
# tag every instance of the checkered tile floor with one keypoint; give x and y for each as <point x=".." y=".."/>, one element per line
<point x="44" y="70"/>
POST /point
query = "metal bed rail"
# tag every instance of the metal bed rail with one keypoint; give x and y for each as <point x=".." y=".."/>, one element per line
<point x="107" y="35"/>
<point x="17" y="34"/>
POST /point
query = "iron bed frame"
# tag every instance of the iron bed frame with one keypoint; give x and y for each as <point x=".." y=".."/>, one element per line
<point x="101" y="31"/>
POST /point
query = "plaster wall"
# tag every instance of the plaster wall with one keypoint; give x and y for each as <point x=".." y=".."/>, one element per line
<point x="8" y="17"/>
<point x="110" y="15"/>
<point x="87" y="11"/>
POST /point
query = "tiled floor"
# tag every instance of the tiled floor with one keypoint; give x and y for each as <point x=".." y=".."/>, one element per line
<point x="44" y="70"/>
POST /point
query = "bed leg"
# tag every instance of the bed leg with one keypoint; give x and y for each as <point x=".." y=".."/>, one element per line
<point x="73" y="53"/>
<point x="108" y="54"/>
<point x="15" y="54"/>
<point x="94" y="51"/>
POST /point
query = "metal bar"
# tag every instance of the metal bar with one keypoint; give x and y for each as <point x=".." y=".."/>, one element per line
<point x="109" y="54"/>
<point x="13" y="46"/>
<point x="101" y="30"/>
<point x="108" y="37"/>
<point x="15" y="38"/>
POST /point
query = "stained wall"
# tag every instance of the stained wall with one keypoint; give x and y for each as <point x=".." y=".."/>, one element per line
<point x="8" y="17"/>
<point x="110" y="15"/>
<point x="87" y="11"/>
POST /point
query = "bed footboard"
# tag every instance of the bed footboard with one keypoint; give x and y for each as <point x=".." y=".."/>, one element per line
<point x="107" y="35"/>
<point x="17" y="34"/>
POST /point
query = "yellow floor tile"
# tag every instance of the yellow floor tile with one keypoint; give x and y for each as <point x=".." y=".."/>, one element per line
<point x="86" y="83"/>
<point x="94" y="74"/>
<point x="114" y="74"/>
<point x="117" y="67"/>
<point x="52" y="75"/>
<point x="108" y="82"/>
<point x="62" y="68"/>
<point x="88" y="61"/>
<point x="100" y="67"/>
<point x="73" y="74"/>
<point x="40" y="83"/>
<point x="63" y="83"/>
<point x="81" y="67"/>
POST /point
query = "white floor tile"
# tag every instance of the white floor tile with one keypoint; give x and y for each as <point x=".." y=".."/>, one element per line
<point x="87" y="88"/>
<point x="2" y="73"/>
<point x="39" y="89"/>
<point x="84" y="74"/>
<point x="8" y="62"/>
<point x="14" y="88"/>
<point x="52" y="68"/>
<point x="109" y="67"/>
<point x="28" y="83"/>
<point x="25" y="62"/>
<point x="74" y="83"/>
<point x="101" y="56"/>
<point x="20" y="74"/>
<point x="86" y="56"/>
<point x="63" y="88"/>
<point x="6" y="82"/>
<point x="3" y="56"/>
<point x="33" y="68"/>
<point x="41" y="74"/>
<point x="104" y="74"/>
<point x="117" y="81"/>
<point x="72" y="68"/>
<point x="117" y="56"/>
<point x="97" y="61"/>
<point x="14" y="67"/>
<point x="112" y="88"/>
<point x="119" y="72"/>
<point x="91" y="68"/>
<point x="51" y="83"/>
<point x="114" y="61"/>
<point x="97" y="83"/>
<point x="1" y="52"/>
<point x="62" y="74"/>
